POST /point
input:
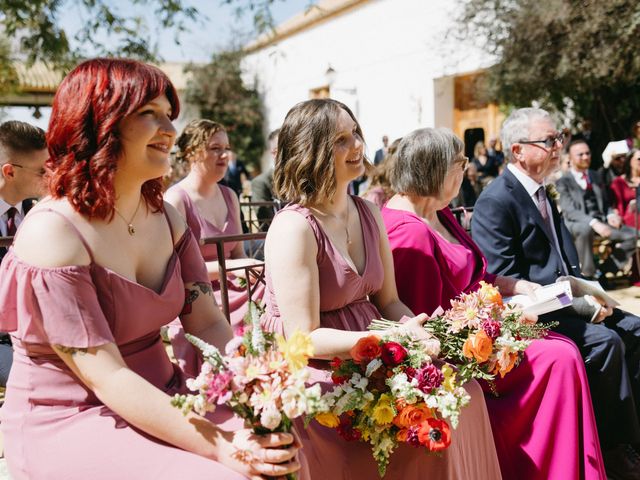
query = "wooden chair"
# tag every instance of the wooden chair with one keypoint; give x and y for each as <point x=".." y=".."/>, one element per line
<point x="255" y="271"/>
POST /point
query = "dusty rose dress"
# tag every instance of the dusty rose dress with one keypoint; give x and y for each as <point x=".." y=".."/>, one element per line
<point x="542" y="420"/>
<point x="238" y="297"/>
<point x="55" y="427"/>
<point x="344" y="305"/>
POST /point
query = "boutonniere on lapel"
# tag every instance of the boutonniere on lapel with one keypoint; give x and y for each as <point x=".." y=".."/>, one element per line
<point x="552" y="193"/>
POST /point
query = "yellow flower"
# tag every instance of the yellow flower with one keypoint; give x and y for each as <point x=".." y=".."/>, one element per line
<point x="384" y="412"/>
<point x="449" y="382"/>
<point x="296" y="350"/>
<point x="327" y="419"/>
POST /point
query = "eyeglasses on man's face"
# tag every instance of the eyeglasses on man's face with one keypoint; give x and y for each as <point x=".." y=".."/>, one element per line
<point x="39" y="172"/>
<point x="548" y="142"/>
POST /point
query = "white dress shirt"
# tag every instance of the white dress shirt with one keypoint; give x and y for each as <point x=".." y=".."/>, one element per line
<point x="4" y="208"/>
<point x="531" y="186"/>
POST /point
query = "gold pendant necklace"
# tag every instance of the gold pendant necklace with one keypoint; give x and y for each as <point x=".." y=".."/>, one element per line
<point x="346" y="221"/>
<point x="130" y="228"/>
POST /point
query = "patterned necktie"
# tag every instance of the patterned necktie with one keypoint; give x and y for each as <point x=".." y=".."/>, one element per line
<point x="541" y="199"/>
<point x="11" y="221"/>
<point x="587" y="182"/>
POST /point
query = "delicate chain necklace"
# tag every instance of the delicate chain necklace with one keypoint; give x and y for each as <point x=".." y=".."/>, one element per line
<point x="130" y="227"/>
<point x="346" y="224"/>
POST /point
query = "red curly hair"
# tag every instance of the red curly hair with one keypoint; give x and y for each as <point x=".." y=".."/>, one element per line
<point x="83" y="138"/>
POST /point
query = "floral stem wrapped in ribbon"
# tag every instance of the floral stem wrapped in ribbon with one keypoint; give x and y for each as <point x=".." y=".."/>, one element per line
<point x="391" y="392"/>
<point x="481" y="335"/>
<point x="261" y="378"/>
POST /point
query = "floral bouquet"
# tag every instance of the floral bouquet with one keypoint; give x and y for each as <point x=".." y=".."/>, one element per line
<point x="390" y="392"/>
<point x="261" y="378"/>
<point x="481" y="335"/>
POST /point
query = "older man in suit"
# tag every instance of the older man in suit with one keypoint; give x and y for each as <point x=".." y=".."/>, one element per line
<point x="585" y="207"/>
<point x="518" y="227"/>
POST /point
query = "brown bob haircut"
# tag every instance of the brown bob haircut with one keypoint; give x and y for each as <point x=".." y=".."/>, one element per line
<point x="304" y="171"/>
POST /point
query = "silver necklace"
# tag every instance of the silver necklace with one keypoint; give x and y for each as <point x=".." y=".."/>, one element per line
<point x="130" y="228"/>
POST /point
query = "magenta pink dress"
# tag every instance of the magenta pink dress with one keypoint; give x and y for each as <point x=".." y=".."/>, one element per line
<point x="543" y="421"/>
<point x="344" y="305"/>
<point x="238" y="298"/>
<point x="53" y="425"/>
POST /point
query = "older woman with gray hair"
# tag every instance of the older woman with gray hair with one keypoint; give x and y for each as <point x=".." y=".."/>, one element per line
<point x="545" y="401"/>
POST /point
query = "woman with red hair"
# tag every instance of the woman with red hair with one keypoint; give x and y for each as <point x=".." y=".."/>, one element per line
<point x="89" y="394"/>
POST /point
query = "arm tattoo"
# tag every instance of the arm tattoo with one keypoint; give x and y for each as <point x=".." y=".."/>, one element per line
<point x="192" y="294"/>
<point x="71" y="350"/>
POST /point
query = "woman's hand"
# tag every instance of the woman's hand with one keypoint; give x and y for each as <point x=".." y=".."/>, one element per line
<point x="254" y="455"/>
<point x="415" y="327"/>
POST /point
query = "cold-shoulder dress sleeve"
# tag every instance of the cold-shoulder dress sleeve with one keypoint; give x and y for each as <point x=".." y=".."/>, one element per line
<point x="56" y="306"/>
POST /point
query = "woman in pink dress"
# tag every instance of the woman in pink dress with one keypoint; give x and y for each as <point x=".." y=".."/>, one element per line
<point x="329" y="273"/>
<point x="210" y="210"/>
<point x="543" y="421"/>
<point x="90" y="388"/>
<point x="624" y="189"/>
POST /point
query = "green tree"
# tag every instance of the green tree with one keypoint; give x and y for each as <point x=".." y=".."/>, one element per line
<point x="220" y="94"/>
<point x="581" y="54"/>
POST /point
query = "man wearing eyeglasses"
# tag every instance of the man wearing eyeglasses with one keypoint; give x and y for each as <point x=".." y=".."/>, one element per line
<point x="519" y="229"/>
<point x="22" y="156"/>
<point x="585" y="206"/>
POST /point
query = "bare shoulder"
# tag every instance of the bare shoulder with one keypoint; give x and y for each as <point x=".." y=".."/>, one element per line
<point x="176" y="220"/>
<point x="290" y="232"/>
<point x="51" y="223"/>
<point x="173" y="197"/>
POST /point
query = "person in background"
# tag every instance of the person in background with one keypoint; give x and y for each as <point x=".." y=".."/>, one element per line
<point x="633" y="141"/>
<point x="487" y="166"/>
<point x="587" y="211"/>
<point x="613" y="161"/>
<point x="89" y="395"/>
<point x="329" y="273"/>
<point x="495" y="150"/>
<point x="624" y="189"/>
<point x="379" y="190"/>
<point x="381" y="153"/>
<point x="23" y="151"/>
<point x="210" y="210"/>
<point x="435" y="261"/>
<point x="519" y="230"/>
<point x="262" y="185"/>
<point x="236" y="175"/>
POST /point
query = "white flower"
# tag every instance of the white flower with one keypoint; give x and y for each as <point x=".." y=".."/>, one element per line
<point x="373" y="365"/>
<point x="233" y="345"/>
<point x="270" y="417"/>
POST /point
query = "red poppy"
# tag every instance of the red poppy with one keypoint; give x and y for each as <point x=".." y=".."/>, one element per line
<point x="434" y="434"/>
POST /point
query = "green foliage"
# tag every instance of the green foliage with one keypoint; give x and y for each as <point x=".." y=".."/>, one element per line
<point x="579" y="53"/>
<point x="218" y="91"/>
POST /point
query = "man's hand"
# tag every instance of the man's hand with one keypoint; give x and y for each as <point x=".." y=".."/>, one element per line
<point x="601" y="229"/>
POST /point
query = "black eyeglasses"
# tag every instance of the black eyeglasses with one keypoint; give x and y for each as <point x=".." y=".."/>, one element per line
<point x="548" y="142"/>
<point x="39" y="172"/>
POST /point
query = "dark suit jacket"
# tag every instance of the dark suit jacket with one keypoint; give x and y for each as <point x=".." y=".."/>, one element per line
<point x="572" y="199"/>
<point x="26" y="206"/>
<point x="379" y="156"/>
<point x="233" y="177"/>
<point x="510" y="231"/>
<point x="262" y="191"/>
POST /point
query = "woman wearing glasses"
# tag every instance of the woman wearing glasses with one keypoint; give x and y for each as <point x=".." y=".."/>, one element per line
<point x="542" y="419"/>
<point x="211" y="210"/>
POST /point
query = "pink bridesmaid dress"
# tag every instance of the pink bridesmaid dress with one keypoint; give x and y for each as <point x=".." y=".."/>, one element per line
<point x="344" y="305"/>
<point x="542" y="420"/>
<point x="238" y="298"/>
<point x="54" y="426"/>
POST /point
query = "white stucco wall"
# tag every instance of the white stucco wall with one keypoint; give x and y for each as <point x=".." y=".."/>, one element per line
<point x="389" y="51"/>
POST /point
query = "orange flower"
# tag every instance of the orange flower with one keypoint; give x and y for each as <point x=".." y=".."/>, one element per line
<point x="366" y="349"/>
<point x="401" y="436"/>
<point x="490" y="293"/>
<point x="412" y="415"/>
<point x="505" y="362"/>
<point x="478" y="346"/>
<point x="434" y="434"/>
